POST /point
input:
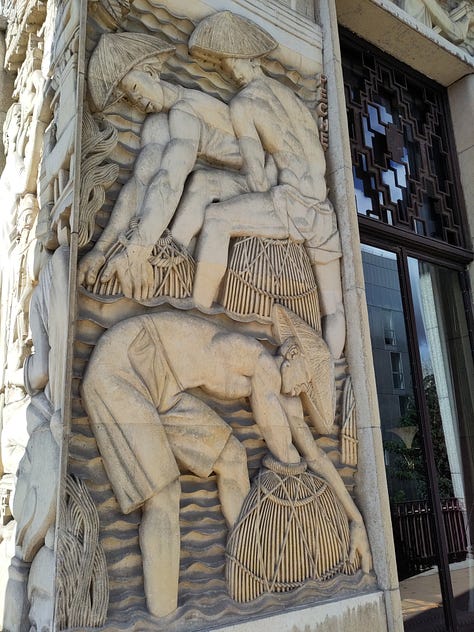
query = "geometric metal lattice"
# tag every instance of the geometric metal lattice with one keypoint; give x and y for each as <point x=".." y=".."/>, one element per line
<point x="402" y="163"/>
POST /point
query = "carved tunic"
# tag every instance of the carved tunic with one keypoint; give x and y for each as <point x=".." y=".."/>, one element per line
<point x="170" y="427"/>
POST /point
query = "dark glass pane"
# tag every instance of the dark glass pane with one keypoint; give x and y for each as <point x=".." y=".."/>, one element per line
<point x="412" y="516"/>
<point x="448" y="378"/>
<point x="398" y="121"/>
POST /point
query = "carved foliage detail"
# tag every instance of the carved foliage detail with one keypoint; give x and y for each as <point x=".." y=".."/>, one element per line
<point x="83" y="585"/>
<point x="99" y="139"/>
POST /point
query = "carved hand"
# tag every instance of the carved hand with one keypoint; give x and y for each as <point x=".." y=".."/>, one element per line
<point x="360" y="544"/>
<point x="133" y="270"/>
<point x="258" y="184"/>
<point x="89" y="267"/>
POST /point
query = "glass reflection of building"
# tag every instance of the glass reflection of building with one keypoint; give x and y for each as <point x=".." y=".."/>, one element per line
<point x="414" y="253"/>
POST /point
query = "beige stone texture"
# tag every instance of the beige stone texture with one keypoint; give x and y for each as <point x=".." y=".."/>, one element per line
<point x="461" y="97"/>
<point x="371" y="489"/>
<point x="357" y="613"/>
<point x="394" y="31"/>
<point x="165" y="415"/>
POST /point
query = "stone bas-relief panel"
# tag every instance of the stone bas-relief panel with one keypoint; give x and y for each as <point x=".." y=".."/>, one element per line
<point x="36" y="185"/>
<point x="210" y="388"/>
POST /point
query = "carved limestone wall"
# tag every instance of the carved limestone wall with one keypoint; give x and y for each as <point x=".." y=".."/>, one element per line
<point x="42" y="56"/>
<point x="454" y="20"/>
<point x="210" y="333"/>
<point x="179" y="438"/>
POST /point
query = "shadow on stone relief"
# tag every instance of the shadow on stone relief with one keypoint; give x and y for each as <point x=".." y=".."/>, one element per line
<point x="35" y="188"/>
<point x="213" y="413"/>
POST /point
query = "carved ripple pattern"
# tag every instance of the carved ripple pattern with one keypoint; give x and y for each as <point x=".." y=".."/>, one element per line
<point x="203" y="595"/>
<point x="155" y="17"/>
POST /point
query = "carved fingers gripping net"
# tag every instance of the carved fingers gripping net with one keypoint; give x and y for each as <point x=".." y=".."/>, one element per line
<point x="264" y="271"/>
<point x="173" y="269"/>
<point x="291" y="529"/>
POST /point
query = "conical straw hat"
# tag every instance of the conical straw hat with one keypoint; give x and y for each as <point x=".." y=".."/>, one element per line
<point x="226" y="34"/>
<point x="320" y="398"/>
<point x="115" y="55"/>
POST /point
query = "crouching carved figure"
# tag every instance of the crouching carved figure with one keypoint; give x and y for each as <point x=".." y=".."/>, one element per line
<point x="148" y="425"/>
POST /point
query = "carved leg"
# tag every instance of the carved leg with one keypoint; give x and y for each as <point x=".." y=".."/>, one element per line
<point x="160" y="546"/>
<point x="251" y="215"/>
<point x="203" y="188"/>
<point x="232" y="479"/>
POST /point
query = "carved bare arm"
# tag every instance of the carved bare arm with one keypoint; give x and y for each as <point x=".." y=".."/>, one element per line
<point x="320" y="464"/>
<point x="253" y="153"/>
<point x="126" y="207"/>
<point x="160" y="201"/>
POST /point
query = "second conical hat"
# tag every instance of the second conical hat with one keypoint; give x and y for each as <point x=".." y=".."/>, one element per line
<point x="320" y="399"/>
<point x="115" y="55"/>
<point x="226" y="34"/>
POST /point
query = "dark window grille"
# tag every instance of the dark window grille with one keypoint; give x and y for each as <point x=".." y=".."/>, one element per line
<point x="415" y="542"/>
<point x="402" y="165"/>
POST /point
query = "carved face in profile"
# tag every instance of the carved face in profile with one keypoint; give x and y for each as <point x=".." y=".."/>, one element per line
<point x="141" y="86"/>
<point x="294" y="370"/>
<point x="242" y="71"/>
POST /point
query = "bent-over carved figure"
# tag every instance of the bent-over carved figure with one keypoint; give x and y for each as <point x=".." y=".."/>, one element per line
<point x="197" y="124"/>
<point x="148" y="425"/>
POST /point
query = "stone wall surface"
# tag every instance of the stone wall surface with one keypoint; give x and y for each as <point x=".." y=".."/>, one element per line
<point x="190" y="437"/>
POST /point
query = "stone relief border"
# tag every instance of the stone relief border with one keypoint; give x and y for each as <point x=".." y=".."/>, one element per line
<point x="108" y="313"/>
<point x="57" y="193"/>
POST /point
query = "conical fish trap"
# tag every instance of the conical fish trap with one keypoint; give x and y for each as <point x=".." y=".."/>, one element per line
<point x="291" y="529"/>
<point x="173" y="269"/>
<point x="264" y="271"/>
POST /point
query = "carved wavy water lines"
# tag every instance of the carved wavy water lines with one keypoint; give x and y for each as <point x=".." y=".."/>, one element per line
<point x="183" y="69"/>
<point x="118" y="532"/>
<point x="203" y="531"/>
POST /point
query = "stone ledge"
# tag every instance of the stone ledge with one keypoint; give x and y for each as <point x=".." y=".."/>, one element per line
<point x="365" y="612"/>
<point x="383" y="24"/>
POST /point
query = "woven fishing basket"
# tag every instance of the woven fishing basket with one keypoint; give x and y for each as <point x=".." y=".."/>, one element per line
<point x="264" y="271"/>
<point x="291" y="529"/>
<point x="173" y="269"/>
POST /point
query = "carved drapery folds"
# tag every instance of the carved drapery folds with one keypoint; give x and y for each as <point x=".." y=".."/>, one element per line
<point x="211" y="326"/>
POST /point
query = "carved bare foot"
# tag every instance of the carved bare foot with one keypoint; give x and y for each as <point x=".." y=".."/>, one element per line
<point x="89" y="267"/>
<point x="133" y="270"/>
<point x="360" y="544"/>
